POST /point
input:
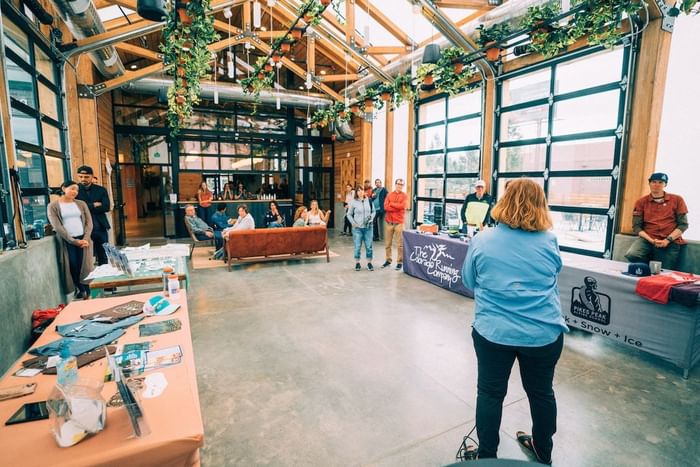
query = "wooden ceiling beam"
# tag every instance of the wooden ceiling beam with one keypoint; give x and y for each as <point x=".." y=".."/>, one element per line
<point x="122" y="21"/>
<point x="350" y="21"/>
<point x="383" y="20"/>
<point x="380" y="50"/>
<point x="110" y="34"/>
<point x="338" y="78"/>
<point x="466" y="4"/>
<point x="139" y="51"/>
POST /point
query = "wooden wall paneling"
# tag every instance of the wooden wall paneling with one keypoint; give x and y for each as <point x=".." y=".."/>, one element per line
<point x="189" y="184"/>
<point x="645" y="122"/>
<point x="347" y="160"/>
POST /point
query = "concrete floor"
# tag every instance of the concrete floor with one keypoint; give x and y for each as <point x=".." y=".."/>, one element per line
<point x="313" y="364"/>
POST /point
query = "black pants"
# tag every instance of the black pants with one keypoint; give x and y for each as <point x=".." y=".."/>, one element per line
<point x="536" y="371"/>
<point x="98" y="238"/>
<point x="379" y="225"/>
<point x="75" y="262"/>
<point x="347" y="226"/>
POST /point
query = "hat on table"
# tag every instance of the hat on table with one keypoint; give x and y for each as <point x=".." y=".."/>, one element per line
<point x="638" y="270"/>
<point x="658" y="176"/>
<point x="480" y="183"/>
<point x="85" y="169"/>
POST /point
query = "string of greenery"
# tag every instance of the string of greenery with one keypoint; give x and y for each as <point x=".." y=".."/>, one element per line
<point x="187" y="33"/>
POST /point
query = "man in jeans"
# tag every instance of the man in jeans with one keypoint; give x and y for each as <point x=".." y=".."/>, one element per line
<point x="659" y="219"/>
<point x="378" y="198"/>
<point x="395" y="209"/>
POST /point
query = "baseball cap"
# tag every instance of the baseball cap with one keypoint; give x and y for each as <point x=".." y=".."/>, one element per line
<point x="638" y="270"/>
<point x="480" y="183"/>
<point x="85" y="169"/>
<point x="662" y="177"/>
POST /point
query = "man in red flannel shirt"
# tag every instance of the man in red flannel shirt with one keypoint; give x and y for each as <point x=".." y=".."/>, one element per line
<point x="659" y="219"/>
<point x="395" y="209"/>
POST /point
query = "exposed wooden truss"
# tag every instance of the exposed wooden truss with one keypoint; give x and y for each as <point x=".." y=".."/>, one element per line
<point x="319" y="53"/>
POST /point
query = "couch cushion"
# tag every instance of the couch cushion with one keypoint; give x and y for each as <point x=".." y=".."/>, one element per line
<point x="278" y="241"/>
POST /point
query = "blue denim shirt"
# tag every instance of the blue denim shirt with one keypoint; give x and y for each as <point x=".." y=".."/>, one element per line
<point x="220" y="220"/>
<point x="514" y="277"/>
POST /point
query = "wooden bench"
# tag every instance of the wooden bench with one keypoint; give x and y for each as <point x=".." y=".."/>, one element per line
<point x="244" y="246"/>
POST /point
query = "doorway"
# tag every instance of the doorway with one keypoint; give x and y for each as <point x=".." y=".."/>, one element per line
<point x="143" y="201"/>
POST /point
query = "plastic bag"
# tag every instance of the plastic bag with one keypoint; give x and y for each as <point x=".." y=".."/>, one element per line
<point x="76" y="411"/>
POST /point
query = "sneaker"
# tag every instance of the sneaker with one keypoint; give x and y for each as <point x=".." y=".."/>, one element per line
<point x="399" y="266"/>
<point x="357" y="267"/>
<point x="386" y="264"/>
<point x="370" y="267"/>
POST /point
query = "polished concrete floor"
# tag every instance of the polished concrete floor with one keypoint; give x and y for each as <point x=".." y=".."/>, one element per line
<point x="307" y="363"/>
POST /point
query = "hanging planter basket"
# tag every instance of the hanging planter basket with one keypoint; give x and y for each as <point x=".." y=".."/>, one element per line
<point x="308" y="18"/>
<point x="285" y="47"/>
<point x="459" y="67"/>
<point x="181" y="71"/>
<point x="180" y="100"/>
<point x="493" y="52"/>
<point x="355" y="108"/>
<point x="268" y="67"/>
<point x="276" y="57"/>
<point x="369" y="105"/>
<point x="261" y="75"/>
<point x="297" y="33"/>
<point x="386" y="96"/>
<point x="184" y="17"/>
<point x="325" y="2"/>
<point x="428" y="80"/>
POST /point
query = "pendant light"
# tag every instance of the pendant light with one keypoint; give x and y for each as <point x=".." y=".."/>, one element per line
<point x="257" y="14"/>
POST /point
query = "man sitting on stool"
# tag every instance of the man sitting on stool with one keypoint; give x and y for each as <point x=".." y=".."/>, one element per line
<point x="659" y="219"/>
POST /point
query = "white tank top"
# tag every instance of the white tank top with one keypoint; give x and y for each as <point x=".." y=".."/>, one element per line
<point x="72" y="220"/>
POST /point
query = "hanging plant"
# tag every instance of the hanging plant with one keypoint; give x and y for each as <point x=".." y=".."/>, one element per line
<point x="600" y="20"/>
<point x="311" y="11"/>
<point x="403" y="89"/>
<point x="187" y="58"/>
<point x="453" y="78"/>
<point x="370" y="100"/>
<point x="491" y="39"/>
<point x="540" y="16"/>
<point x="276" y="56"/>
<point x="426" y="74"/>
<point x="386" y="92"/>
<point x="690" y="7"/>
<point x="297" y="32"/>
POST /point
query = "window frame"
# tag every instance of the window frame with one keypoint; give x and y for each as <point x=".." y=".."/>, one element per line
<point x="619" y="133"/>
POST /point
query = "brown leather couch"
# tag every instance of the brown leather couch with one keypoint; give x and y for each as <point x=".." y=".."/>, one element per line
<point x="276" y="244"/>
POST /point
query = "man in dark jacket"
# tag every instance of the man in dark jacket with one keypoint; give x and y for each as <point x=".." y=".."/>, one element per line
<point x="97" y="199"/>
<point x="377" y="197"/>
<point x="479" y="196"/>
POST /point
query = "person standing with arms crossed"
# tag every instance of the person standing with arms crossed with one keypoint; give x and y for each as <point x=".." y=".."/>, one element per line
<point x="378" y="198"/>
<point x="395" y="209"/>
<point x="97" y="200"/>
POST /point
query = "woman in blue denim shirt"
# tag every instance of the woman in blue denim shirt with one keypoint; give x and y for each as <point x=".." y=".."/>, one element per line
<point x="513" y="271"/>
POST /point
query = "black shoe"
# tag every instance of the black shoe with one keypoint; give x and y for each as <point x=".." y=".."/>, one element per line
<point x="386" y="264"/>
<point x="357" y="267"/>
<point x="375" y="239"/>
<point x="370" y="267"/>
<point x="399" y="266"/>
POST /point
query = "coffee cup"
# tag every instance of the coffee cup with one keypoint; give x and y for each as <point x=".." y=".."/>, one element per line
<point x="655" y="267"/>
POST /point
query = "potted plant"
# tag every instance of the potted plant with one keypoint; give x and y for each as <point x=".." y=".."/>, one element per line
<point x="311" y="12"/>
<point x="370" y="100"/>
<point x="454" y="57"/>
<point x="538" y="18"/>
<point x="386" y="91"/>
<point x="325" y="3"/>
<point x="297" y="32"/>
<point x="491" y="39"/>
<point x="276" y="56"/>
<point x="286" y="45"/>
<point x="403" y="89"/>
<point x="355" y="109"/>
<point x="426" y="74"/>
<point x="600" y="21"/>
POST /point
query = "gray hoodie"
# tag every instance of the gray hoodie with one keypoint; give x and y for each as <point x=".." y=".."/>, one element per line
<point x="360" y="213"/>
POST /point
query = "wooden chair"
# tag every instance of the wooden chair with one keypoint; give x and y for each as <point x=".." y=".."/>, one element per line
<point x="195" y="240"/>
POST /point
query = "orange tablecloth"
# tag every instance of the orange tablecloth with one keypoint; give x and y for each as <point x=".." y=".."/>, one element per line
<point x="174" y="417"/>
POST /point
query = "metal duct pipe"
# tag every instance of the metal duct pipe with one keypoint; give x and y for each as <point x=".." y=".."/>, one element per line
<point x="339" y="42"/>
<point x="83" y="21"/>
<point x="454" y="34"/>
<point x="234" y="92"/>
<point x="513" y="10"/>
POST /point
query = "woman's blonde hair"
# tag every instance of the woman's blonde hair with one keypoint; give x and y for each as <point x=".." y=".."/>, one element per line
<point x="298" y="212"/>
<point x="523" y="206"/>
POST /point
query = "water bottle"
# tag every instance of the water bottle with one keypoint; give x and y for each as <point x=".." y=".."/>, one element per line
<point x="174" y="287"/>
<point x="67" y="368"/>
<point x="167" y="271"/>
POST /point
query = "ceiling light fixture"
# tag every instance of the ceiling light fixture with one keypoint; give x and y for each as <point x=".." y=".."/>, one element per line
<point x="134" y="66"/>
<point x="257" y="14"/>
<point x="323" y="72"/>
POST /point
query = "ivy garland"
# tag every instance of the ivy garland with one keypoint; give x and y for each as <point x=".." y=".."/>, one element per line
<point x="187" y="33"/>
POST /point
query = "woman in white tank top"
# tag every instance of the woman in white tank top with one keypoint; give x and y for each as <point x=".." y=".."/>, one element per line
<point x="316" y="216"/>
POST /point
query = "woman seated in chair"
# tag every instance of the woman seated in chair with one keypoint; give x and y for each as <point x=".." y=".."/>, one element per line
<point x="273" y="217"/>
<point x="316" y="216"/>
<point x="300" y="216"/>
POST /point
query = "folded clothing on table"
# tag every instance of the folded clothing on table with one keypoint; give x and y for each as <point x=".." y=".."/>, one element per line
<point x="95" y="329"/>
<point x="658" y="288"/>
<point x="76" y="345"/>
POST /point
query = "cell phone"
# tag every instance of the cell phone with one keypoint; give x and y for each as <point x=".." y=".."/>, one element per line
<point x="29" y="413"/>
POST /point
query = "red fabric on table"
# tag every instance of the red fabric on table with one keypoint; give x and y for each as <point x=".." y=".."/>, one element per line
<point x="658" y="288"/>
